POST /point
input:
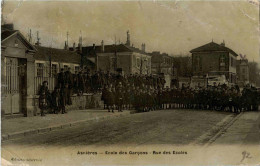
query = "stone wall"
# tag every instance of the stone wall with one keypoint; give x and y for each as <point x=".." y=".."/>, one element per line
<point x="85" y="101"/>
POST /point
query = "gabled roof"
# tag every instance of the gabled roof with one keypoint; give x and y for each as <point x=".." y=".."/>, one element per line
<point x="91" y="50"/>
<point x="212" y="46"/>
<point x="57" y="55"/>
<point x="6" y="34"/>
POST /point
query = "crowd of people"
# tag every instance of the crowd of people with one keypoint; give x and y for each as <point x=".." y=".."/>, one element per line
<point x="145" y="93"/>
<point x="148" y="98"/>
<point x="85" y="82"/>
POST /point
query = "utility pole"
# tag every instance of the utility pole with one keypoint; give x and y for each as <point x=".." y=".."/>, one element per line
<point x="67" y="39"/>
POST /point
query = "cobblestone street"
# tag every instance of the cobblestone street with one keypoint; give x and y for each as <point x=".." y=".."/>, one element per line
<point x="158" y="127"/>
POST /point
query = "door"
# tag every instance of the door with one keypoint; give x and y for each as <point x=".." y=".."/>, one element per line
<point x="22" y="74"/>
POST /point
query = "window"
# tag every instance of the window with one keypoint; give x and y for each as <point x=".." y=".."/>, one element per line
<point x="39" y="70"/>
<point x="66" y="67"/>
<point x="76" y="69"/>
<point x="138" y="62"/>
<point x="222" y="61"/>
<point x="243" y="70"/>
<point x="54" y="69"/>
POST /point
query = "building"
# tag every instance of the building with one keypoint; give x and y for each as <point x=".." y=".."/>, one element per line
<point x="162" y="63"/>
<point x="120" y="57"/>
<point x="214" y="59"/>
<point x="48" y="62"/>
<point x="17" y="72"/>
<point x="242" y="72"/>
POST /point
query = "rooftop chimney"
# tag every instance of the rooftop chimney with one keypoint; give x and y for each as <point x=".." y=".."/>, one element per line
<point x="128" y="38"/>
<point x="8" y="27"/>
<point x="102" y="46"/>
<point x="38" y="39"/>
<point x="223" y="43"/>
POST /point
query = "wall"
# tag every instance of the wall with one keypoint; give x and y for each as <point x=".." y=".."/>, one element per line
<point x="232" y="63"/>
<point x="210" y="61"/>
<point x="136" y="66"/>
<point x="86" y="101"/>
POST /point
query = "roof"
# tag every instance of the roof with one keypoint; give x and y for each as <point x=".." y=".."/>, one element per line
<point x="57" y="55"/>
<point x="212" y="46"/>
<point x="91" y="50"/>
<point x="6" y="34"/>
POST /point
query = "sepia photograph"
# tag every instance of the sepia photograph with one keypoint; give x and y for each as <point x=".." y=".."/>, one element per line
<point x="130" y="82"/>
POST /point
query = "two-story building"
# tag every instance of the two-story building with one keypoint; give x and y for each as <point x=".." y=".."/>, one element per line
<point x="214" y="59"/>
<point x="123" y="57"/>
<point x="162" y="63"/>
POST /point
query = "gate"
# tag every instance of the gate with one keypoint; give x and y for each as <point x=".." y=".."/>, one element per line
<point x="14" y="85"/>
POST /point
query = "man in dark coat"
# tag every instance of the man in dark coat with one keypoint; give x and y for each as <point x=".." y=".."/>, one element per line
<point x="61" y="78"/>
<point x="110" y="99"/>
<point x="63" y="98"/>
<point x="56" y="100"/>
<point x="119" y="97"/>
<point x="69" y="81"/>
<point x="81" y="82"/>
<point x="44" y="97"/>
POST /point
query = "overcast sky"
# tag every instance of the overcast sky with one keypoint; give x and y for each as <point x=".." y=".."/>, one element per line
<point x="171" y="27"/>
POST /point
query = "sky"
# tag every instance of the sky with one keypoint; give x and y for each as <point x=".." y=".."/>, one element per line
<point x="173" y="27"/>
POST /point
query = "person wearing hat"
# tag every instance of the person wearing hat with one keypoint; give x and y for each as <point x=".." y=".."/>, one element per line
<point x="44" y="97"/>
<point x="56" y="100"/>
<point x="69" y="81"/>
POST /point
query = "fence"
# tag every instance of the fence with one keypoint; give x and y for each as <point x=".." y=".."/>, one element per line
<point x="38" y="82"/>
<point x="10" y="82"/>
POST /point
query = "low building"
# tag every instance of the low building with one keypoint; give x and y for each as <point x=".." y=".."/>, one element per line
<point x="49" y="61"/>
<point x="214" y="59"/>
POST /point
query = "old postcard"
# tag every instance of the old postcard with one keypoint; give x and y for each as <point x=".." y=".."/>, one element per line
<point x="130" y="83"/>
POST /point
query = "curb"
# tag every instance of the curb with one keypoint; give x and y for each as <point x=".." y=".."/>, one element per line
<point x="211" y="135"/>
<point x="20" y="134"/>
<point x="223" y="130"/>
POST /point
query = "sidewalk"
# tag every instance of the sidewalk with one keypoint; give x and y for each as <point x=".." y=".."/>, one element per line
<point x="18" y="127"/>
<point x="245" y="130"/>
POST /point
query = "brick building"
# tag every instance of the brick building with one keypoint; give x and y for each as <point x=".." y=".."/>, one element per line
<point x="123" y="57"/>
<point x="214" y="59"/>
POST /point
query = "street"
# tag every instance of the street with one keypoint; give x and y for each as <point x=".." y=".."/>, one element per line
<point x="157" y="127"/>
<point x="153" y="135"/>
